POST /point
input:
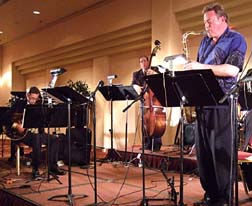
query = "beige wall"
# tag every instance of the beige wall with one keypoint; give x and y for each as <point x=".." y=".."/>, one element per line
<point x="110" y="17"/>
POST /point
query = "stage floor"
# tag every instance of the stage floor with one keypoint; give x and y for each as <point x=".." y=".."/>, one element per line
<point x="117" y="184"/>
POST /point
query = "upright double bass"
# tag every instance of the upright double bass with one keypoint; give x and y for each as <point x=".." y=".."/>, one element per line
<point x="154" y="113"/>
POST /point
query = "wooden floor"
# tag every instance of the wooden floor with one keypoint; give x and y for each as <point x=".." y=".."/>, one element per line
<point x="117" y="184"/>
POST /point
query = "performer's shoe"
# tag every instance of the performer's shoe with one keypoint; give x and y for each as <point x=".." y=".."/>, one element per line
<point x="57" y="171"/>
<point x="206" y="201"/>
<point x="35" y="175"/>
<point x="11" y="159"/>
<point x="201" y="202"/>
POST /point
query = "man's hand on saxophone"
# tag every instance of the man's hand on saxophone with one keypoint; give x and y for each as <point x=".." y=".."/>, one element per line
<point x="192" y="65"/>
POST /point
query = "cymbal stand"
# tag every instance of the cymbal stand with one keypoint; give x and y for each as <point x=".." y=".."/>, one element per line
<point x="69" y="195"/>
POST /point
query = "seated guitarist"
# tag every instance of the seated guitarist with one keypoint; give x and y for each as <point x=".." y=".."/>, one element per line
<point x="34" y="139"/>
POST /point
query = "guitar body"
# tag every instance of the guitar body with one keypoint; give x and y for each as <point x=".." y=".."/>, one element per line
<point x="16" y="132"/>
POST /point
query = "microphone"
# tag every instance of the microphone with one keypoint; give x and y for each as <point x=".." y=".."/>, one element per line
<point x="110" y="78"/>
<point x="113" y="76"/>
<point x="57" y="71"/>
<point x="157" y="42"/>
<point x="100" y="84"/>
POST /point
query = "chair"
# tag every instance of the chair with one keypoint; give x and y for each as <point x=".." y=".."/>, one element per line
<point x="18" y="146"/>
<point x="245" y="153"/>
<point x="245" y="169"/>
<point x="244" y="163"/>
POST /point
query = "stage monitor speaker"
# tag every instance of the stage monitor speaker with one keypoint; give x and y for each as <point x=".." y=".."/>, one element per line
<point x="189" y="134"/>
<point x="80" y="146"/>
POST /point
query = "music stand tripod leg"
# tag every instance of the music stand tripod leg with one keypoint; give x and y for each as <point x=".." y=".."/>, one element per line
<point x="181" y="188"/>
<point x="112" y="154"/>
<point x="49" y="173"/>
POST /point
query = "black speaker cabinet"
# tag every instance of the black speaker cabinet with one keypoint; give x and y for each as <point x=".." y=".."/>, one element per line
<point x="80" y="146"/>
<point x="189" y="134"/>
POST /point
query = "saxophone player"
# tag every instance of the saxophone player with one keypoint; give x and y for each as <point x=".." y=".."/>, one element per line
<point x="223" y="51"/>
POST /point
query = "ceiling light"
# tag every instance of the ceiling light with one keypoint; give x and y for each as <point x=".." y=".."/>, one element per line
<point x="1" y="32"/>
<point x="36" y="12"/>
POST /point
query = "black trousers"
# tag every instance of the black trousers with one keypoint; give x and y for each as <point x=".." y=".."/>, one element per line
<point x="35" y="141"/>
<point x="213" y="149"/>
<point x="157" y="141"/>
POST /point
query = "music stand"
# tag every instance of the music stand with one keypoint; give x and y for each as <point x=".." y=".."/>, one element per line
<point x="117" y="93"/>
<point x="39" y="116"/>
<point x="68" y="96"/>
<point x="179" y="91"/>
<point x="18" y="94"/>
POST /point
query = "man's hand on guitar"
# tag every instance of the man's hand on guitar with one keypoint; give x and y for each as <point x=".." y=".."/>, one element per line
<point x="18" y="127"/>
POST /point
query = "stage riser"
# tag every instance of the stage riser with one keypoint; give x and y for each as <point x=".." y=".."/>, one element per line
<point x="12" y="199"/>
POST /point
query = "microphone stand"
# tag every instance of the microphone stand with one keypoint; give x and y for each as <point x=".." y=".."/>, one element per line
<point x="126" y="132"/>
<point x="100" y="84"/>
<point x="140" y="97"/>
<point x="95" y="160"/>
<point x="233" y="94"/>
<point x="53" y="80"/>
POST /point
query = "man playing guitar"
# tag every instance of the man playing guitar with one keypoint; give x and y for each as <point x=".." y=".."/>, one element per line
<point x="33" y="138"/>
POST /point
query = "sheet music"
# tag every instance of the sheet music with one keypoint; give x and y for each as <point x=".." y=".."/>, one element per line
<point x="54" y="100"/>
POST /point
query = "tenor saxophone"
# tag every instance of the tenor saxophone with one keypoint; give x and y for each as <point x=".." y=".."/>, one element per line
<point x="190" y="112"/>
